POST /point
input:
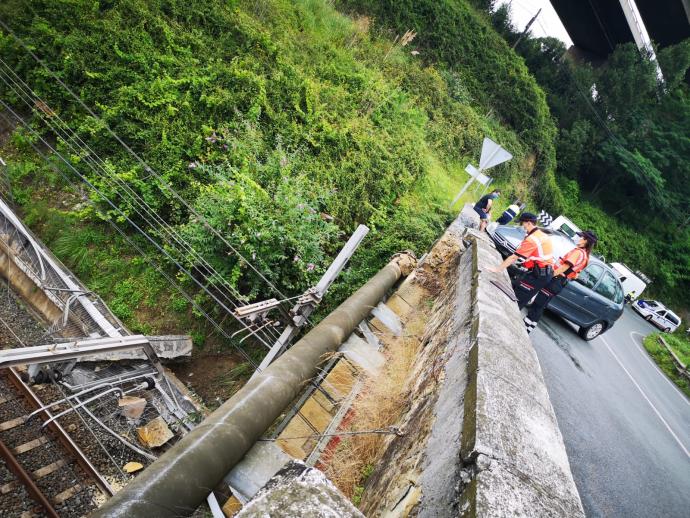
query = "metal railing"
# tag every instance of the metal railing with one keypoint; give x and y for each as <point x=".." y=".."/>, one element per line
<point x="83" y="313"/>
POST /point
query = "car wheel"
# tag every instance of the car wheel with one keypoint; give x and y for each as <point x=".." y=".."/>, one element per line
<point x="591" y="332"/>
<point x="667" y="330"/>
<point x="648" y="318"/>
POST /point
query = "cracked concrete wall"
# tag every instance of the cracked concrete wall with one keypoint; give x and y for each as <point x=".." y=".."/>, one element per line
<point x="298" y="490"/>
<point x="481" y="438"/>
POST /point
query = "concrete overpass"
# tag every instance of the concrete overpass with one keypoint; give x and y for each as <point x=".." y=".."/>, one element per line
<point x="597" y="26"/>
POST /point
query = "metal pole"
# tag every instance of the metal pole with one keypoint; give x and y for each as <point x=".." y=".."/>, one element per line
<point x="529" y="24"/>
<point x="465" y="187"/>
<point x="324" y="283"/>
<point x="180" y="480"/>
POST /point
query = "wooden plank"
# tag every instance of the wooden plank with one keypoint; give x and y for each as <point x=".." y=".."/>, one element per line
<point x="12" y="423"/>
<point x="60" y="498"/>
<point x="27" y="446"/>
<point x="47" y="470"/>
<point x="4" y="489"/>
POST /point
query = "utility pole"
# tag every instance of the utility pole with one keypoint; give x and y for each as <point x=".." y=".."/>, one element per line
<point x="529" y="24"/>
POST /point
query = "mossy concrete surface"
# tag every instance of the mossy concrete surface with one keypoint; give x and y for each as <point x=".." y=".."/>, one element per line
<point x="480" y="435"/>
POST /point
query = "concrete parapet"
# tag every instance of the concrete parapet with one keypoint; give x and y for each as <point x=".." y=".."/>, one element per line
<point x="511" y="446"/>
<point x="468" y="217"/>
<point x="480" y="437"/>
<point x="298" y="490"/>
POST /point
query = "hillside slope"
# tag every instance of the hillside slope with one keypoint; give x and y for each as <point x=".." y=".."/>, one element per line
<point x="285" y="124"/>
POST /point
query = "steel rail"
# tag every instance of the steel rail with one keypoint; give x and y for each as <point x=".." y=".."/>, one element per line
<point x="26" y="480"/>
<point x="60" y="433"/>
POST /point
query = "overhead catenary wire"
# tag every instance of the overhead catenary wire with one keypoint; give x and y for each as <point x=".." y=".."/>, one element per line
<point x="147" y="257"/>
<point x="147" y="168"/>
<point x="122" y="214"/>
<point x="144" y="212"/>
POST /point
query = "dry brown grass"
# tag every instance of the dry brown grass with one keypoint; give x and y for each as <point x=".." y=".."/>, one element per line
<point x="379" y="405"/>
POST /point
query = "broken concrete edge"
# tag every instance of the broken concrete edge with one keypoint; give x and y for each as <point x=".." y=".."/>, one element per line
<point x="167" y="347"/>
<point x="298" y="490"/>
<point x="512" y="449"/>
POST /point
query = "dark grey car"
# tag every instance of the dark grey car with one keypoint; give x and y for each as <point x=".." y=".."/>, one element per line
<point x="594" y="301"/>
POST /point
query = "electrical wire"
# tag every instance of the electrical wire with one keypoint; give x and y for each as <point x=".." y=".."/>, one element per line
<point x="145" y="212"/>
<point x="143" y="216"/>
<point x="107" y="200"/>
<point x="147" y="168"/>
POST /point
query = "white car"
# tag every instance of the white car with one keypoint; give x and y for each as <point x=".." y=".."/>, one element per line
<point x="658" y="314"/>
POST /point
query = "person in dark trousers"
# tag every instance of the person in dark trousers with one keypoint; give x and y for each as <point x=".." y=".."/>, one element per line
<point x="566" y="270"/>
<point x="483" y="207"/>
<point x="512" y="211"/>
<point x="536" y="254"/>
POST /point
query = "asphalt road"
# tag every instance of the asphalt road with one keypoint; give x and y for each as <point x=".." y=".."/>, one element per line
<point x="626" y="427"/>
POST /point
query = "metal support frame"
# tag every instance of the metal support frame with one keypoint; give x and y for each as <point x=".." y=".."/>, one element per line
<point x="312" y="297"/>
<point x="45" y="260"/>
<point x="56" y="353"/>
<point x="182" y="477"/>
<point x="53" y="353"/>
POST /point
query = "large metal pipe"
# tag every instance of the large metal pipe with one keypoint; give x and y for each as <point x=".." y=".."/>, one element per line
<point x="181" y="479"/>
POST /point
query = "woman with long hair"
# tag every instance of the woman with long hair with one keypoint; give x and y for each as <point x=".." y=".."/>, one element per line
<point x="567" y="269"/>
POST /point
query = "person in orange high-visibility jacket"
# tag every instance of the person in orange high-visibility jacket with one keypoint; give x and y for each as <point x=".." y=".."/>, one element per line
<point x="536" y="254"/>
<point x="567" y="269"/>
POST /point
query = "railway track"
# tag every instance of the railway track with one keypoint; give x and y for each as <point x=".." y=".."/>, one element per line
<point x="42" y="472"/>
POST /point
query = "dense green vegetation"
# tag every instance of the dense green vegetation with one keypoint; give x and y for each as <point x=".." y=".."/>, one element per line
<point x="287" y="123"/>
<point x="623" y="151"/>
<point x="661" y="356"/>
<point x="483" y="70"/>
<point x="284" y="123"/>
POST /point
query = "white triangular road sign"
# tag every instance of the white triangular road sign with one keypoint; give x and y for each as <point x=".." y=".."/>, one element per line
<point x="492" y="155"/>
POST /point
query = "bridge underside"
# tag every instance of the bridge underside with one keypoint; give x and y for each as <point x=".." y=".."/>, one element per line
<point x="667" y="21"/>
<point x="597" y="26"/>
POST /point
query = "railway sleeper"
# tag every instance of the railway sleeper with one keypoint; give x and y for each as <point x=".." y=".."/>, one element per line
<point x="12" y="423"/>
<point x="36" y="474"/>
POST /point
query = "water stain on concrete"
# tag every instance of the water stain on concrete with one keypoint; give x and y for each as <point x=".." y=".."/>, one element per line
<point x="562" y="344"/>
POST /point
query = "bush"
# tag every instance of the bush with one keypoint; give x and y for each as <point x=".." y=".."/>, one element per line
<point x="283" y="122"/>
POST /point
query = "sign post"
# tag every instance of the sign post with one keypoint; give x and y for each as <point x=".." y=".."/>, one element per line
<point x="492" y="155"/>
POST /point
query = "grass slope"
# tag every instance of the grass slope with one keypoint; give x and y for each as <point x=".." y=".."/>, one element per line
<point x="263" y="115"/>
<point x="664" y="360"/>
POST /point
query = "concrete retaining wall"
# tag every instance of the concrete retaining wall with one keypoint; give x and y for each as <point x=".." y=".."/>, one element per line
<point x="480" y="435"/>
<point x="44" y="308"/>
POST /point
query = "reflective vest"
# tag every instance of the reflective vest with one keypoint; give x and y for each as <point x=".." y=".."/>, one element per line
<point x="577" y="259"/>
<point x="536" y="250"/>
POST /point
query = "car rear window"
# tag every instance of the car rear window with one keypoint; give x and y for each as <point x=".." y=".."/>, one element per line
<point x="674" y="320"/>
<point x="590" y="275"/>
<point x="607" y="287"/>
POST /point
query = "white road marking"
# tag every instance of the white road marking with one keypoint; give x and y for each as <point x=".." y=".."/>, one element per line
<point x="668" y="427"/>
<point x="644" y="353"/>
